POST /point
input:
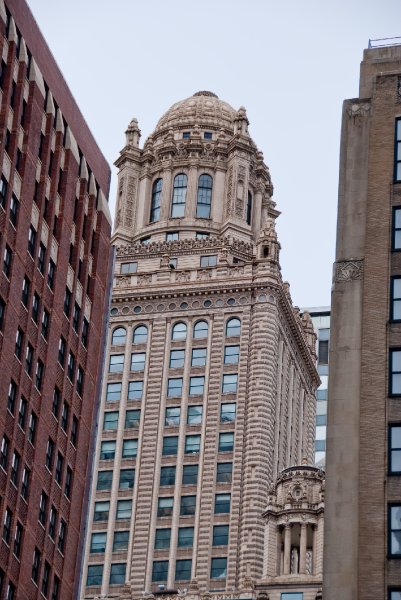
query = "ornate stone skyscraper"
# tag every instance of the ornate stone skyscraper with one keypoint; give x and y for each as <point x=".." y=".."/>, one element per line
<point x="211" y="370"/>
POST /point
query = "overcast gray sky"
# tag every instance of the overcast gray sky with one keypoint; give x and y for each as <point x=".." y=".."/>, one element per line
<point x="289" y="62"/>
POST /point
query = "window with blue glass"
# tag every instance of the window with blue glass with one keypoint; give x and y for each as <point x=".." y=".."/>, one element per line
<point x="395" y="299"/>
<point x="204" y="200"/>
<point x="395" y="372"/>
<point x="396" y="229"/>
<point x="156" y="200"/>
<point x="397" y="163"/>
<point x="179" y="195"/>
<point x="292" y="596"/>
<point x="394" y="446"/>
<point x="394" y="530"/>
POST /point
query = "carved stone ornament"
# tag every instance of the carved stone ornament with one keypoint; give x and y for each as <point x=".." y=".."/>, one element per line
<point x="358" y="110"/>
<point x="348" y="270"/>
<point x="123" y="281"/>
<point x="144" y="279"/>
<point x="399" y="88"/>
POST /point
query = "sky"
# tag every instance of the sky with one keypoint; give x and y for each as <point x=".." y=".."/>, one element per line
<point x="291" y="63"/>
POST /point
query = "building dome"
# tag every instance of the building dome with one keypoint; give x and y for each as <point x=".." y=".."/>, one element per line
<point x="204" y="109"/>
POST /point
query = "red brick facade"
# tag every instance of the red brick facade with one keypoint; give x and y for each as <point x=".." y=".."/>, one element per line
<point x="54" y="248"/>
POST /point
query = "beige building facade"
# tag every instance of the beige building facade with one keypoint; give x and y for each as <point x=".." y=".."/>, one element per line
<point x="363" y="502"/>
<point x="211" y="377"/>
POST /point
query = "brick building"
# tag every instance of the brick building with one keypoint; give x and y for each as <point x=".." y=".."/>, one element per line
<point x="54" y="245"/>
<point x="363" y="476"/>
<point x="211" y="370"/>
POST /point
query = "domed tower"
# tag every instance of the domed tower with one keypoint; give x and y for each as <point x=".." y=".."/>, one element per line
<point x="209" y="391"/>
<point x="199" y="172"/>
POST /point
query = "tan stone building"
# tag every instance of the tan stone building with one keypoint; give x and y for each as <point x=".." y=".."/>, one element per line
<point x="211" y="375"/>
<point x="363" y="500"/>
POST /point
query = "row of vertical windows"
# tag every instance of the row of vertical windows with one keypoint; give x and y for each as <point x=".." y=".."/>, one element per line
<point x="117" y="574"/>
<point x="178" y="201"/>
<point x="119" y="336"/>
<point x="183" y="568"/>
<point x="197" y="385"/>
<point x="110" y="420"/>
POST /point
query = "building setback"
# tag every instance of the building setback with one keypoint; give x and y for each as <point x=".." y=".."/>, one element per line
<point x="363" y="485"/>
<point x="211" y="370"/>
<point x="54" y="245"/>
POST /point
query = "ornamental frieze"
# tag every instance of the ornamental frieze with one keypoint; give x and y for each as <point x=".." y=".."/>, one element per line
<point x="348" y="270"/>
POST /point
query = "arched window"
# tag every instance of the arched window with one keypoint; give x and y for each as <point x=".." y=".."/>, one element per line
<point x="249" y="209"/>
<point x="201" y="330"/>
<point x="179" y="331"/>
<point x="179" y="195"/>
<point x="118" y="337"/>
<point x="156" y="198"/>
<point x="233" y="327"/>
<point x="204" y="201"/>
<point x="140" y="334"/>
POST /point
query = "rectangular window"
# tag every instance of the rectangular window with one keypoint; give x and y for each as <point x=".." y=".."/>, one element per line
<point x="160" y="570"/>
<point x="49" y="454"/>
<point x="132" y="418"/>
<point x="394" y="594"/>
<point x="68" y="483"/>
<point x="52" y="523"/>
<point x="321" y="420"/>
<point x="218" y="568"/>
<point x="172" y="236"/>
<point x="25" y="483"/>
<point x="116" y="363"/>
<point x="220" y="535"/>
<point x="395" y="373"/>
<point x="320" y="445"/>
<point x="222" y="503"/>
<point x="36" y="565"/>
<point x="207" y="135"/>
<point x="229" y="385"/>
<point x="15" y="464"/>
<point x="58" y="473"/>
<point x="198" y="357"/>
<point x="224" y="472"/>
<point x="80" y="381"/>
<point x="45" y="323"/>
<point x="98" y="543"/>
<point x="26" y="285"/>
<point x="183" y="570"/>
<point x="104" y="480"/>
<point x="135" y="389"/>
<point x="7" y="261"/>
<point x="138" y="361"/>
<point x="167" y="476"/>
<point x="108" y="450"/>
<point x="165" y="507"/>
<point x="2" y="313"/>
<point x="51" y="272"/>
<point x="174" y="386"/>
<point x="231" y="355"/>
<point x="85" y="332"/>
<point x="292" y="596"/>
<point x="185" y="537"/>
<point x="130" y="448"/>
<point x="12" y="395"/>
<point x="64" y="416"/>
<point x="394" y="522"/>
<point x="208" y="261"/>
<point x="110" y="420"/>
<point x="101" y="511"/>
<point x="19" y="339"/>
<point x="228" y="412"/>
<point x="396" y="229"/>
<point x="3" y="191"/>
<point x="124" y="509"/>
<point x="192" y="444"/>
<point x="127" y="268"/>
<point x="8" y="516"/>
<point x="29" y="359"/>
<point x="172" y="418"/>
<point x="395" y="299"/>
<point x="194" y="416"/>
<point x="120" y="541"/>
<point x="226" y="442"/>
<point x="117" y="573"/>
<point x="35" y="308"/>
<point x="170" y="445"/>
<point x="127" y="479"/>
<point x="56" y="401"/>
<point x="43" y="509"/>
<point x="74" y="431"/>
<point x="190" y="474"/>
<point x="162" y="539"/>
<point x="397" y="164"/>
<point x="394" y="434"/>
<point x="95" y="575"/>
<point x="196" y="386"/>
<point x="67" y="302"/>
<point x="323" y="352"/>
<point x="177" y="359"/>
<point x="22" y="411"/>
<point x="14" y="205"/>
<point x="18" y="539"/>
<point x="46" y="579"/>
<point x="5" y="445"/>
<point x="71" y="366"/>
<point x="188" y="505"/>
<point x="31" y="240"/>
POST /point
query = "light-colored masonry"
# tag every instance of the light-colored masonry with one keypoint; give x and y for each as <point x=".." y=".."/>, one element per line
<point x="211" y="376"/>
